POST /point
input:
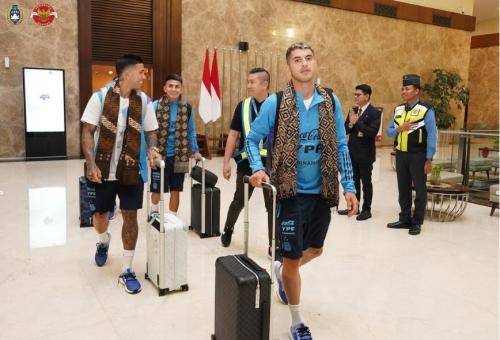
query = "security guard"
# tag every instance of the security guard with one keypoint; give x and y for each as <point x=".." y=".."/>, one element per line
<point x="414" y="130"/>
<point x="246" y="111"/>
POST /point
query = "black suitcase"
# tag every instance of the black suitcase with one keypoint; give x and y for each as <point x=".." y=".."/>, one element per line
<point x="212" y="211"/>
<point x="205" y="201"/>
<point x="197" y="175"/>
<point x="243" y="293"/>
<point x="87" y="202"/>
<point x="242" y="299"/>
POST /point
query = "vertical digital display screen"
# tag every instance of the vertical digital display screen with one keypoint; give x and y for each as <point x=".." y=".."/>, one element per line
<point x="44" y="100"/>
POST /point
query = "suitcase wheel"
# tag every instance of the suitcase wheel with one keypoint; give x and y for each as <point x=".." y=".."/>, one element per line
<point x="213" y="337"/>
<point x="163" y="291"/>
<point x="146" y="276"/>
<point x="185" y="288"/>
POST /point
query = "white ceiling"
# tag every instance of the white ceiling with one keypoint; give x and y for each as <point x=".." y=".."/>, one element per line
<point x="485" y="10"/>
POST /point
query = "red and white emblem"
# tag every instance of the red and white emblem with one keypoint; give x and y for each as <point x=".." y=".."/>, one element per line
<point x="43" y="14"/>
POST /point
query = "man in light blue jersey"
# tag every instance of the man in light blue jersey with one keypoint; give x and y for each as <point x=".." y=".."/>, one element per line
<point x="176" y="142"/>
<point x="118" y="124"/>
<point x="307" y="151"/>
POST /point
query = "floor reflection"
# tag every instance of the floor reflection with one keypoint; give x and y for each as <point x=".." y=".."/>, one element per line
<point x="47" y="216"/>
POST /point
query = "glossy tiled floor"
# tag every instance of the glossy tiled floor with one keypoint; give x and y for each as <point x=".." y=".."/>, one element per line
<point x="371" y="282"/>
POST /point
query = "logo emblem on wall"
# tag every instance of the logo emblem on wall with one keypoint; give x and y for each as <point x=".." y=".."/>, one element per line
<point x="15" y="14"/>
<point x="43" y="14"/>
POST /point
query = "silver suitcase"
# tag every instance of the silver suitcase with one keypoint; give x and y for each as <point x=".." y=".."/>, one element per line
<point x="166" y="265"/>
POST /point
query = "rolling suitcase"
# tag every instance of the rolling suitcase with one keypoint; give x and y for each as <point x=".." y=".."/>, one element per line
<point x="166" y="265"/>
<point x="87" y="202"/>
<point x="205" y="201"/>
<point x="243" y="306"/>
<point x="197" y="175"/>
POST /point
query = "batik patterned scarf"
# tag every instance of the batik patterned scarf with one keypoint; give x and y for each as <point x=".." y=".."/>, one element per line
<point x="127" y="171"/>
<point x="284" y="158"/>
<point x="181" y="164"/>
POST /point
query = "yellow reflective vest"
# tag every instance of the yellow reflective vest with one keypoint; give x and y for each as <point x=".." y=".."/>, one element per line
<point x="415" y="139"/>
<point x="246" y="118"/>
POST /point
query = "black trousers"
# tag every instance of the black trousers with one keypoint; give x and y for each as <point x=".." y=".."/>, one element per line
<point x="362" y="174"/>
<point x="410" y="168"/>
<point x="238" y="204"/>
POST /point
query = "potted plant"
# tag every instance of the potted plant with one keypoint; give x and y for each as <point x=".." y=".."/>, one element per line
<point x="446" y="88"/>
<point x="436" y="174"/>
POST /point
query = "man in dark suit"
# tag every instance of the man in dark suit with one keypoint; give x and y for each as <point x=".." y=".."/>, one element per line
<point x="362" y="125"/>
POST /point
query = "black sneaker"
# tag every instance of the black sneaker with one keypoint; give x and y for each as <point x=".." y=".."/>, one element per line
<point x="226" y="237"/>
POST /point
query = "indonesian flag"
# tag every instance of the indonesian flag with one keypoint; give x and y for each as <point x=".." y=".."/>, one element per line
<point x="215" y="90"/>
<point x="205" y="106"/>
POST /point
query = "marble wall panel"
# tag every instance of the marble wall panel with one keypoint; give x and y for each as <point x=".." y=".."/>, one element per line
<point x="483" y="84"/>
<point x="351" y="48"/>
<point x="30" y="45"/>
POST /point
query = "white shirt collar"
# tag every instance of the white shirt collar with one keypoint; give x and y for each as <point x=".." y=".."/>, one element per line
<point x="364" y="107"/>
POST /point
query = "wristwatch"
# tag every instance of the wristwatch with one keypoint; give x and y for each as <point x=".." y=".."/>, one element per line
<point x="155" y="149"/>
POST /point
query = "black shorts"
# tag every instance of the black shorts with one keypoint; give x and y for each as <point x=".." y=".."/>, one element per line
<point x="172" y="181"/>
<point x="130" y="195"/>
<point x="303" y="223"/>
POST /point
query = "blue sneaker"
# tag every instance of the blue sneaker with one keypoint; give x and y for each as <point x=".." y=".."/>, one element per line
<point x="101" y="253"/>
<point x="280" y="288"/>
<point x="112" y="214"/>
<point x="300" y="332"/>
<point x="130" y="282"/>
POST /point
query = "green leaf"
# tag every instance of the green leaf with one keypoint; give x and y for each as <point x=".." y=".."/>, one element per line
<point x="446" y="89"/>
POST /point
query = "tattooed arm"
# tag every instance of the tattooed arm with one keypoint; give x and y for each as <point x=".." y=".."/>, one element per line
<point x="93" y="172"/>
<point x="152" y="142"/>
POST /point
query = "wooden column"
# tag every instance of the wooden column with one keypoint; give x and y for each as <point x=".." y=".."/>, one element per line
<point x="167" y="41"/>
<point x="84" y="52"/>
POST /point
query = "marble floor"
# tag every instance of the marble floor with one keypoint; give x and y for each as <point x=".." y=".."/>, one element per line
<point x="371" y="282"/>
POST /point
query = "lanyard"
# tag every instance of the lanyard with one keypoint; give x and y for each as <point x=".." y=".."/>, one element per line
<point x="255" y="107"/>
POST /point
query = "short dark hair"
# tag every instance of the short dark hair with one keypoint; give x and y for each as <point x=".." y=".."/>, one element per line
<point x="297" y="46"/>
<point x="173" y="76"/>
<point x="125" y="61"/>
<point x="255" y="70"/>
<point x="365" y="88"/>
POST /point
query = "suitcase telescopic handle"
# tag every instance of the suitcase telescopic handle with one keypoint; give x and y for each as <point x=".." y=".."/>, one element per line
<point x="265" y="186"/>
<point x="203" y="193"/>
<point x="272" y="188"/>
<point x="160" y="164"/>
<point x="202" y="160"/>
